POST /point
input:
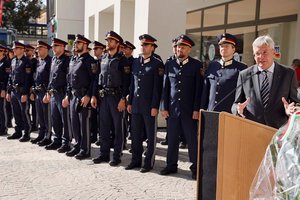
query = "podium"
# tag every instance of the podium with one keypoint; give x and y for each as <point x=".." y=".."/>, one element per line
<point x="230" y="150"/>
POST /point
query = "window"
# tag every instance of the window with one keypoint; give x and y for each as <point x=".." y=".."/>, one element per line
<point x="193" y="20"/>
<point x="274" y="8"/>
<point x="214" y="16"/>
<point x="241" y="11"/>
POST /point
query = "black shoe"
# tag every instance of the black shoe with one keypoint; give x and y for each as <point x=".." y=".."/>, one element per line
<point x="53" y="146"/>
<point x="130" y="150"/>
<point x="14" y="136"/>
<point x="3" y="133"/>
<point x="72" y="152"/>
<point x="115" y="162"/>
<point x="64" y="148"/>
<point x="34" y="128"/>
<point x="25" y="138"/>
<point x="44" y="142"/>
<point x="145" y="169"/>
<point x="36" y="140"/>
<point x="167" y="171"/>
<point x="9" y="124"/>
<point x="194" y="175"/>
<point x="98" y="142"/>
<point x="81" y="155"/>
<point x="164" y="142"/>
<point x="132" y="166"/>
<point x="100" y="159"/>
<point x="182" y="145"/>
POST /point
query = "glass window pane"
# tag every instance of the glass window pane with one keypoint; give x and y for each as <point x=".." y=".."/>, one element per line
<point x="195" y="53"/>
<point x="214" y="16"/>
<point x="274" y="8"/>
<point x="245" y="37"/>
<point x="193" y="20"/>
<point x="241" y="11"/>
<point x="284" y="36"/>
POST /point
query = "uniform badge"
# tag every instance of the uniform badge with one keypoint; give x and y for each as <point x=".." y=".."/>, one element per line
<point x="94" y="68"/>
<point x="126" y="69"/>
<point x="8" y="70"/>
<point x="28" y="70"/>
<point x="161" y="71"/>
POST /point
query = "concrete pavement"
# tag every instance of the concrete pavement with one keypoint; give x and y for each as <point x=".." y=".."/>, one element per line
<point x="28" y="171"/>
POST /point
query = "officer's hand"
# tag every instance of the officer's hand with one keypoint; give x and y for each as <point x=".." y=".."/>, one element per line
<point x="65" y="102"/>
<point x="165" y="114"/>
<point x="32" y="97"/>
<point x="8" y="97"/>
<point x="289" y="108"/>
<point x="195" y="115"/>
<point x="2" y="93"/>
<point x="23" y="98"/>
<point x="129" y="108"/>
<point x="154" y="112"/>
<point x="241" y="106"/>
<point x="94" y="102"/>
<point x="121" y="105"/>
<point x="85" y="100"/>
<point x="46" y="98"/>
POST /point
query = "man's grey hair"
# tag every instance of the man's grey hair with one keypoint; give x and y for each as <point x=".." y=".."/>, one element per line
<point x="263" y="40"/>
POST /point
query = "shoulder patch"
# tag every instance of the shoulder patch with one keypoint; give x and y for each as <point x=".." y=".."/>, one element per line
<point x="28" y="70"/>
<point x="161" y="71"/>
<point x="126" y="69"/>
<point x="94" y="68"/>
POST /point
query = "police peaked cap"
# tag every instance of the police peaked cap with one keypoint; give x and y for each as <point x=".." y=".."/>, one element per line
<point x="98" y="45"/>
<point x="147" y="39"/>
<point x="59" y="42"/>
<point x="28" y="46"/>
<point x="2" y="47"/>
<point x="227" y="38"/>
<point x="81" y="38"/>
<point x="185" y="40"/>
<point x="18" y="44"/>
<point x="41" y="43"/>
<point x="115" y="36"/>
<point x="129" y="45"/>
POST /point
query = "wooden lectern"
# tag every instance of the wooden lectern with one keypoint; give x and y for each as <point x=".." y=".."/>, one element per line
<point x="230" y="150"/>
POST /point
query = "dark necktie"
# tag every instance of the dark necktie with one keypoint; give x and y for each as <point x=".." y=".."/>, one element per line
<point x="265" y="90"/>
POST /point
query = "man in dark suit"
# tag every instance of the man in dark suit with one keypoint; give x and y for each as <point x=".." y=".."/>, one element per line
<point x="268" y="90"/>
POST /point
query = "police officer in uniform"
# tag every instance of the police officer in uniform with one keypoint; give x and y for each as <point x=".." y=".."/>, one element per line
<point x="29" y="52"/>
<point x="10" y="56"/>
<point x="19" y="84"/>
<point x="98" y="49"/>
<point x="4" y="73"/>
<point x="181" y="100"/>
<point x="113" y="87"/>
<point x="82" y="71"/>
<point x="39" y="89"/>
<point x="56" y="92"/>
<point x="143" y="103"/>
<point x="221" y="77"/>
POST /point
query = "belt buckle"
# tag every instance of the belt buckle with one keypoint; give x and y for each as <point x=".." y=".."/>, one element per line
<point x="101" y="93"/>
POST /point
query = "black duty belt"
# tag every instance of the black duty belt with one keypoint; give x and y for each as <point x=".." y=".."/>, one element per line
<point x="109" y="92"/>
<point x="57" y="91"/>
<point x="17" y="88"/>
<point x="38" y="89"/>
<point x="79" y="92"/>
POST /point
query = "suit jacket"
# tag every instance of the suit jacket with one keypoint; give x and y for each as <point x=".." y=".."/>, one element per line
<point x="284" y="84"/>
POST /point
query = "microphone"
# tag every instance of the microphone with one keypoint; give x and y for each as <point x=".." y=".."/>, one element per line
<point x="232" y="91"/>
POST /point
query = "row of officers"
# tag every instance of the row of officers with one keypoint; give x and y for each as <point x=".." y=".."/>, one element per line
<point x="68" y="90"/>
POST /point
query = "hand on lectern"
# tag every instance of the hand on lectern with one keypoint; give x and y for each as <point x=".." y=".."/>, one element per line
<point x="289" y="108"/>
<point x="241" y="106"/>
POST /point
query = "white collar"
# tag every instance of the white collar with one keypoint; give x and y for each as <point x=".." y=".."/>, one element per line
<point x="270" y="69"/>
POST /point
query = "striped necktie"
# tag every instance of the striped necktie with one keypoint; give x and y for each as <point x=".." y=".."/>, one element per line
<point x="265" y="90"/>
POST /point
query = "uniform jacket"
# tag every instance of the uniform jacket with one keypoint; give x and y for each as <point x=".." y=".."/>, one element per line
<point x="146" y="84"/>
<point x="182" y="87"/>
<point x="42" y="74"/>
<point x="219" y="81"/>
<point x="59" y="71"/>
<point x="284" y="84"/>
<point x="4" y="72"/>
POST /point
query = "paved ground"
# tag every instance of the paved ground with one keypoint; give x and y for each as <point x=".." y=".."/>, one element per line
<point x="28" y="171"/>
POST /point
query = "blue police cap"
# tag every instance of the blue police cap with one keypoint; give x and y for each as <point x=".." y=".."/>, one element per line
<point x="28" y="46"/>
<point x="41" y="43"/>
<point x="58" y="42"/>
<point x="98" y="45"/>
<point x="227" y="38"/>
<point x="81" y="38"/>
<point x="185" y="40"/>
<point x="115" y="36"/>
<point x="18" y="44"/>
<point x="2" y="47"/>
<point x="174" y="41"/>
<point x="129" y="45"/>
<point x="147" y="39"/>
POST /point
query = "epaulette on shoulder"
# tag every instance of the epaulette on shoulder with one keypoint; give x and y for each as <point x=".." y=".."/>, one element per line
<point x="157" y="58"/>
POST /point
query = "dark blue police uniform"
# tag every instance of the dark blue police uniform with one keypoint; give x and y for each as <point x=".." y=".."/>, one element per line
<point x="113" y="84"/>
<point x="57" y="89"/>
<point x="19" y="84"/>
<point x="181" y="96"/>
<point x="82" y="71"/>
<point x="220" y="79"/>
<point x="4" y="73"/>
